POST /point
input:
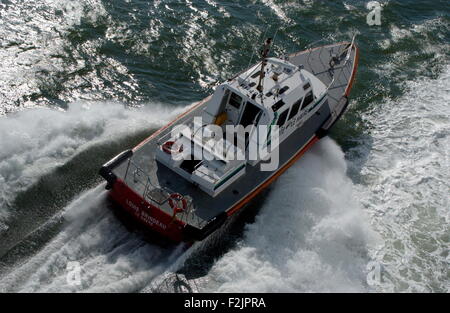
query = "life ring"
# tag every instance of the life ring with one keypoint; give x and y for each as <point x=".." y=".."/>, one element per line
<point x="176" y="208"/>
<point x="168" y="148"/>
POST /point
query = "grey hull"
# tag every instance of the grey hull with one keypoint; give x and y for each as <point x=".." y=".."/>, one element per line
<point x="141" y="172"/>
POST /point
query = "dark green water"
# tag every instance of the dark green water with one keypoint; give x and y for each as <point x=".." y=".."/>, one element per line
<point x="82" y="81"/>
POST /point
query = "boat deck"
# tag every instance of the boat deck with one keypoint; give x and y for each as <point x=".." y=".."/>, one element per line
<point x="155" y="182"/>
<point x="317" y="62"/>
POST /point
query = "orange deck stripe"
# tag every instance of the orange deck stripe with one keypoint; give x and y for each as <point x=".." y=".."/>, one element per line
<point x="355" y="67"/>
<point x="170" y="124"/>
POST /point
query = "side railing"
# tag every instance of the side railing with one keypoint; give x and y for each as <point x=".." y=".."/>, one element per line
<point x="158" y="195"/>
<point x="348" y="52"/>
<point x="312" y="47"/>
<point x="320" y="49"/>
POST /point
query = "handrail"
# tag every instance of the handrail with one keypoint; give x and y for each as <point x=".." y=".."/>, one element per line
<point x="189" y="213"/>
<point x="310" y="48"/>
<point x="347" y="57"/>
<point x="148" y="181"/>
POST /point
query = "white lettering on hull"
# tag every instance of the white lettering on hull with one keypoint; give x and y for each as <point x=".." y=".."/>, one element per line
<point x="144" y="216"/>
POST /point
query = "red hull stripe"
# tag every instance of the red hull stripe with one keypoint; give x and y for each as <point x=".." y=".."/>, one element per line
<point x="146" y="213"/>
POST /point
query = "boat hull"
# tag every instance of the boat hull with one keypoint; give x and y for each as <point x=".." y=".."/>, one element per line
<point x="215" y="211"/>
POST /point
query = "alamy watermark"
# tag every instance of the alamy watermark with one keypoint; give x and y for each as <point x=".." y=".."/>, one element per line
<point x="374" y="273"/>
<point x="73" y="277"/>
<point x="374" y="16"/>
<point x="233" y="142"/>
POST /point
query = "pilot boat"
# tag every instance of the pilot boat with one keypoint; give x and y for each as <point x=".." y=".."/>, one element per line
<point x="189" y="177"/>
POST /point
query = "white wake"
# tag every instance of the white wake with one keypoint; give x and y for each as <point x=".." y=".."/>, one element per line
<point x="405" y="174"/>
<point x="311" y="234"/>
<point x="387" y="231"/>
<point x="111" y="258"/>
<point x="36" y="141"/>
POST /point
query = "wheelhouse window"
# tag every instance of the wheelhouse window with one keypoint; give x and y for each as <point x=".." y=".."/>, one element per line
<point x="225" y="98"/>
<point x="295" y="109"/>
<point x="277" y="105"/>
<point x="235" y="100"/>
<point x="283" y="90"/>
<point x="251" y="115"/>
<point x="308" y="99"/>
<point x="282" y="118"/>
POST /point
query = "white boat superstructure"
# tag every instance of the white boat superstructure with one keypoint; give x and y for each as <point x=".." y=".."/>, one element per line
<point x="211" y="152"/>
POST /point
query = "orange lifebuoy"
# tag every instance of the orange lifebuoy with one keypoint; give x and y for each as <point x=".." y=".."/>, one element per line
<point x="168" y="147"/>
<point x="176" y="208"/>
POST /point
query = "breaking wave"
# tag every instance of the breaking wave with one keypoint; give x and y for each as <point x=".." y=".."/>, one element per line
<point x="384" y="227"/>
<point x="404" y="173"/>
<point x="37" y="141"/>
<point x="311" y="234"/>
<point x="111" y="258"/>
<point x="325" y="221"/>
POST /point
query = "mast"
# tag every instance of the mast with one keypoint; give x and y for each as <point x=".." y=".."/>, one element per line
<point x="264" y="53"/>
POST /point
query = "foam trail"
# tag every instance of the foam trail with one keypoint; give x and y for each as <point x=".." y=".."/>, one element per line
<point x="404" y="173"/>
<point x="112" y="259"/>
<point x="36" y="141"/>
<point x="311" y="234"/>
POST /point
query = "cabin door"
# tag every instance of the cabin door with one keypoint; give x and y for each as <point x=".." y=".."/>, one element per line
<point x="234" y="108"/>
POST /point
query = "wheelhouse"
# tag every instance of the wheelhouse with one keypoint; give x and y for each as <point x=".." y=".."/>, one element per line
<point x="212" y="151"/>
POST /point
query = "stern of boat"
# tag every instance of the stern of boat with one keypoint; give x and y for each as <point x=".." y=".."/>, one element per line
<point x="160" y="209"/>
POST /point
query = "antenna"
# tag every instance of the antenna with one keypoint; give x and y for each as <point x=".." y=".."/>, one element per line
<point x="264" y="53"/>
